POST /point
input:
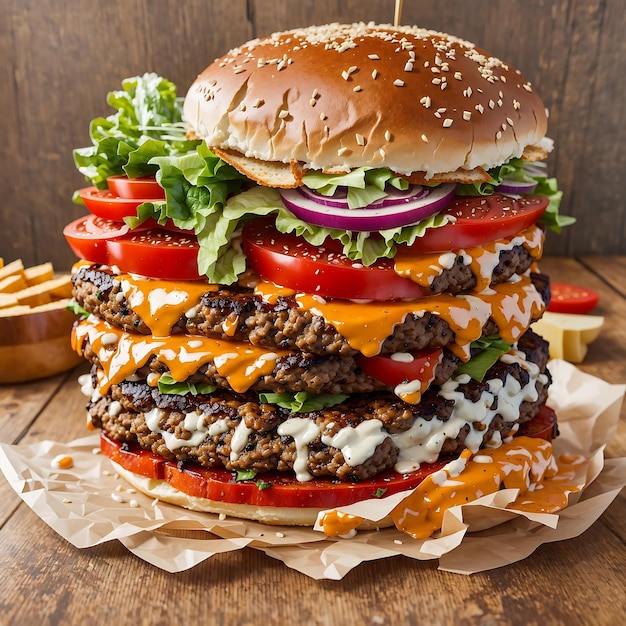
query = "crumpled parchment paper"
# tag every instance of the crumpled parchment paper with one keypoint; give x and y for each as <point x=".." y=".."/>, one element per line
<point x="89" y="504"/>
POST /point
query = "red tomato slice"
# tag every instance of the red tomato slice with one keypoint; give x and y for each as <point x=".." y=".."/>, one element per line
<point x="479" y="220"/>
<point x="390" y="370"/>
<point x="156" y="253"/>
<point x="133" y="458"/>
<point x="543" y="425"/>
<point x="145" y="187"/>
<point x="566" y="298"/>
<point x="265" y="489"/>
<point x="88" y="235"/>
<point x="290" y="261"/>
<point x="105" y="204"/>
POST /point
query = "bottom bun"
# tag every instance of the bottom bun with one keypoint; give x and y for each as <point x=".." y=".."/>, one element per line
<point x="276" y="516"/>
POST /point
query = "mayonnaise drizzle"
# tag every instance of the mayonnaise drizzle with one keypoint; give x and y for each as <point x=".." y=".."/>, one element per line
<point x="421" y="443"/>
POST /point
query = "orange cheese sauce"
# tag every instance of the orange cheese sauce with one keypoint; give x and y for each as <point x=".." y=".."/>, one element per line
<point x="160" y="303"/>
<point x="524" y="463"/>
<point x="121" y="354"/>
<point x="424" y="268"/>
<point x="366" y="325"/>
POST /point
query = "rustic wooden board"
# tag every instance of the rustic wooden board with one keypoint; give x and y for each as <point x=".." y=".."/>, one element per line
<point x="60" y="60"/>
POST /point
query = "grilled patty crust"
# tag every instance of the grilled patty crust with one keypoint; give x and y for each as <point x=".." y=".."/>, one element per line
<point x="282" y="325"/>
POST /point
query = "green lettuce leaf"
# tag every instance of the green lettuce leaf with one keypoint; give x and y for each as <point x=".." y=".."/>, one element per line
<point x="147" y="123"/>
<point x="303" y="401"/>
<point x="77" y="309"/>
<point x="365" y="184"/>
<point x="491" y="349"/>
<point x="168" y="385"/>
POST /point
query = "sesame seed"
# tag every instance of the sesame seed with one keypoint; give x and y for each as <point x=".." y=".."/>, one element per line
<point x="323" y="116"/>
<point x="357" y="88"/>
<point x="374" y="57"/>
<point x="238" y="69"/>
<point x="315" y="93"/>
<point x="312" y="102"/>
<point x="408" y="66"/>
<point x="436" y="81"/>
<point x="527" y="87"/>
<point x="458" y="75"/>
<point x="242" y="106"/>
<point x="382" y="153"/>
<point x="387" y="136"/>
<point x="345" y="75"/>
<point x="467" y="92"/>
<point x="498" y="135"/>
<point x="503" y="127"/>
<point x="467" y="115"/>
<point x="426" y="102"/>
<point x="447" y="122"/>
<point x="480" y="108"/>
<point x="516" y="105"/>
<point x="342" y="151"/>
<point x="492" y="104"/>
<point x="352" y="69"/>
<point x="374" y="74"/>
<point x="398" y="82"/>
<point x="360" y="139"/>
<point x="258" y="103"/>
<point x="424" y="138"/>
<point x="283" y="114"/>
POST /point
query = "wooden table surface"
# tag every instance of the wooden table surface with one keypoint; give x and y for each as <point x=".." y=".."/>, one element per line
<point x="45" y="580"/>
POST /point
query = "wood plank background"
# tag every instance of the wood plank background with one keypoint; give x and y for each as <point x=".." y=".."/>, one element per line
<point x="59" y="59"/>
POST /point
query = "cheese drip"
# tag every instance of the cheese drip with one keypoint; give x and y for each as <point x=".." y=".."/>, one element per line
<point x="121" y="354"/>
<point x="160" y="303"/>
<point x="365" y="326"/>
<point x="424" y="268"/>
<point x="525" y="463"/>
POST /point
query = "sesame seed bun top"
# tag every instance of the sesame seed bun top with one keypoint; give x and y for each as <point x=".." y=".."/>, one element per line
<point x="337" y="97"/>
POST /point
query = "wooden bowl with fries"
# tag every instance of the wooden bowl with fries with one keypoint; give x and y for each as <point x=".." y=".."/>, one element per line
<point x="35" y="323"/>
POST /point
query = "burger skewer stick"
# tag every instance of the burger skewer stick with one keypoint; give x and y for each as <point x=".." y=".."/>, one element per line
<point x="397" y="16"/>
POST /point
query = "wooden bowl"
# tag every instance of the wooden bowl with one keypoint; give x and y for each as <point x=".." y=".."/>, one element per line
<point x="35" y="342"/>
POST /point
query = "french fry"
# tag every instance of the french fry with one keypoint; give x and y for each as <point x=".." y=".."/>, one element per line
<point x="15" y="267"/>
<point x="39" y="273"/>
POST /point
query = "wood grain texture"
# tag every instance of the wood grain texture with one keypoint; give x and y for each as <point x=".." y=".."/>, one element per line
<point x="575" y="582"/>
<point x="60" y="60"/>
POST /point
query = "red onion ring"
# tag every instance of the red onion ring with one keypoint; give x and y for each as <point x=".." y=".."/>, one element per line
<point x="339" y="199"/>
<point x="508" y="185"/>
<point x="381" y="215"/>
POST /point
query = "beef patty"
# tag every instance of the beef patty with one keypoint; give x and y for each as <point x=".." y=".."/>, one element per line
<point x="281" y="325"/>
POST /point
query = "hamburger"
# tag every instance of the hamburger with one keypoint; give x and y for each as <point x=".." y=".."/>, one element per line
<point x="311" y="283"/>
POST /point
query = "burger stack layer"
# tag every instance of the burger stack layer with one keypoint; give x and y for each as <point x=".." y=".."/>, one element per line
<point x="359" y="306"/>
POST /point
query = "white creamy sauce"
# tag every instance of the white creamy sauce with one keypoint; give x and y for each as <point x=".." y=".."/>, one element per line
<point x="303" y="431"/>
<point x="357" y="444"/>
<point x="421" y="443"/>
<point x="239" y="440"/>
<point x="193" y="423"/>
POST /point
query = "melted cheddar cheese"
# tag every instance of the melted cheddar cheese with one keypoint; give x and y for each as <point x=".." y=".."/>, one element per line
<point x="121" y="354"/>
<point x="525" y="463"/>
